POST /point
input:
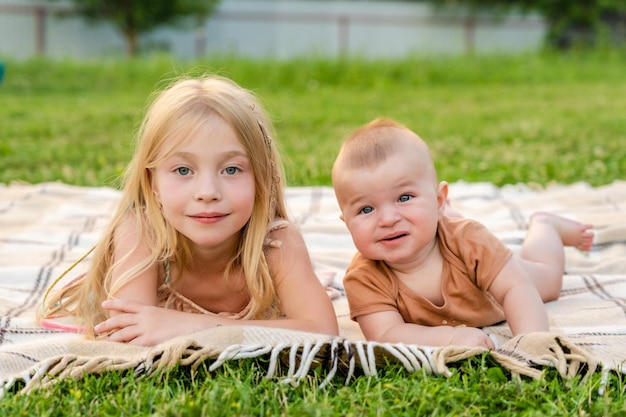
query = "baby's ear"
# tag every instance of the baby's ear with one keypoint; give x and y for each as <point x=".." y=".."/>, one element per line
<point x="442" y="195"/>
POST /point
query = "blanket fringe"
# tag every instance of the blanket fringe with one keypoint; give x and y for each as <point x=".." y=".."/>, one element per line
<point x="529" y="354"/>
<point x="523" y="355"/>
<point x="300" y="359"/>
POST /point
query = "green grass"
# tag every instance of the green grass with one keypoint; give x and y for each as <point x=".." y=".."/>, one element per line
<point x="535" y="118"/>
<point x="503" y="119"/>
<point x="476" y="388"/>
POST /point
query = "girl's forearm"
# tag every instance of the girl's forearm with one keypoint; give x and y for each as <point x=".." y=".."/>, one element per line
<point x="313" y="326"/>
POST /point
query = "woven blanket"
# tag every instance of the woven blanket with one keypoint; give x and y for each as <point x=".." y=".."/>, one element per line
<point x="44" y="228"/>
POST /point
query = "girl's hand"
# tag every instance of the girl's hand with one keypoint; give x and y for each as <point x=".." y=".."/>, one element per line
<point x="146" y="325"/>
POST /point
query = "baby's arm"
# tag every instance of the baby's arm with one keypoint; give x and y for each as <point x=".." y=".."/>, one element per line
<point x="523" y="308"/>
<point x="390" y="327"/>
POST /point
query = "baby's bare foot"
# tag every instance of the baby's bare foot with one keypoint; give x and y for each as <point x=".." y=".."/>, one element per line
<point x="572" y="233"/>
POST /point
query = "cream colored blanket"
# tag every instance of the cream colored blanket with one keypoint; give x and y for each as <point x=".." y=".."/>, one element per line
<point x="44" y="228"/>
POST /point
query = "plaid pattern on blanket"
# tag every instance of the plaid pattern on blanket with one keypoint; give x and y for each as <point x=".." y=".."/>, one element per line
<point x="44" y="228"/>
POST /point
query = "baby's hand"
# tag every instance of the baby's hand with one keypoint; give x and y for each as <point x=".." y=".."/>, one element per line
<point x="471" y="336"/>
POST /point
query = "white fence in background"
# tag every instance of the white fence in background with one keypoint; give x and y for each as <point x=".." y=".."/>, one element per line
<point x="273" y="28"/>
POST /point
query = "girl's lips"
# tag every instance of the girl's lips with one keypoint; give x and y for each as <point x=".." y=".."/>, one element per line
<point x="208" y="218"/>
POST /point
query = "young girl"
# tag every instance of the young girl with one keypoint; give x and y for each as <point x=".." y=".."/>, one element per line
<point x="201" y="236"/>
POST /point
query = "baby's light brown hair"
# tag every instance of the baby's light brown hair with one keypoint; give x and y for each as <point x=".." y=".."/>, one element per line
<point x="372" y="143"/>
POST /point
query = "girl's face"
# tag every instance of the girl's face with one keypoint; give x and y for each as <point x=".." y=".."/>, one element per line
<point x="206" y="186"/>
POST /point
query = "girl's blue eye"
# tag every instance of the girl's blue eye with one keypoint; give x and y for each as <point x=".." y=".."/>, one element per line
<point x="183" y="171"/>
<point x="404" y="198"/>
<point x="231" y="170"/>
<point x="366" y="210"/>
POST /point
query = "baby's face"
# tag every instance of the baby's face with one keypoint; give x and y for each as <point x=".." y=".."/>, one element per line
<point x="392" y="209"/>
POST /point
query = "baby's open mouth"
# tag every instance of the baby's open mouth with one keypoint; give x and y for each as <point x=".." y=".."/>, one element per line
<point x="388" y="239"/>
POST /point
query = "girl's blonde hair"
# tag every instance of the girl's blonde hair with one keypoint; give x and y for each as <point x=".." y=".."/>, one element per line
<point x="174" y="115"/>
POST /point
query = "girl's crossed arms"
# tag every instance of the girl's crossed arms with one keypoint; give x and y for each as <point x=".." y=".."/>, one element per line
<point x="201" y="236"/>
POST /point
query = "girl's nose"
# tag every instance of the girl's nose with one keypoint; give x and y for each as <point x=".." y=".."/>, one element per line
<point x="208" y="188"/>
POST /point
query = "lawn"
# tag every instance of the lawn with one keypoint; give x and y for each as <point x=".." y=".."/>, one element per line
<point x="534" y="118"/>
<point x="503" y="119"/>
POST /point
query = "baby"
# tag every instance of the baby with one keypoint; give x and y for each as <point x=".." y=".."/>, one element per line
<point x="421" y="276"/>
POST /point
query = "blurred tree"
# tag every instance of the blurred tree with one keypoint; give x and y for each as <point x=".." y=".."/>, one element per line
<point x="570" y="22"/>
<point x="136" y="17"/>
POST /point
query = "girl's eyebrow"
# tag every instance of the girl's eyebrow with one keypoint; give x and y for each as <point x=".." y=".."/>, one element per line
<point x="237" y="153"/>
<point x="228" y="154"/>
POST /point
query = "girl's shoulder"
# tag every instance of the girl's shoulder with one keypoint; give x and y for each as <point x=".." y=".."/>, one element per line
<point x="278" y="231"/>
<point x="277" y="224"/>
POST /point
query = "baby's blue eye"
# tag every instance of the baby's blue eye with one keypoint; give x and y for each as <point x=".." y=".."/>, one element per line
<point x="183" y="171"/>
<point x="404" y="198"/>
<point x="366" y="210"/>
<point x="231" y="170"/>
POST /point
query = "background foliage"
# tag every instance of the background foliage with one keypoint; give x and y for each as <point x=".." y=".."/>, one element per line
<point x="571" y="23"/>
<point x="136" y="17"/>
